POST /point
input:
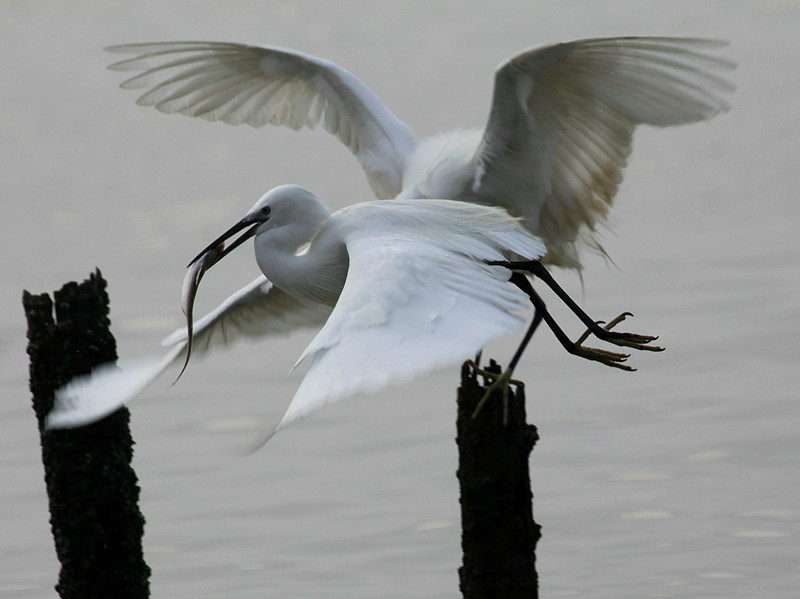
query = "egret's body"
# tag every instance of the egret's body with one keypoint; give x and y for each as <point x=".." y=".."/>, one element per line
<point x="553" y="150"/>
<point x="401" y="287"/>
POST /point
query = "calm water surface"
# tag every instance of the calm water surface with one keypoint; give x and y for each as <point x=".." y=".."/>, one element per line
<point x="680" y="480"/>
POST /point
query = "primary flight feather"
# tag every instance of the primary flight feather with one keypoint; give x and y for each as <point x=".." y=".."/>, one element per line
<point x="553" y="151"/>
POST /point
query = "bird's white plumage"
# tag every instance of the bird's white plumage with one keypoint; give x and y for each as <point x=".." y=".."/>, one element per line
<point x="562" y="121"/>
<point x="257" y="310"/>
<point x="554" y="148"/>
<point x="553" y="152"/>
<point x="237" y="83"/>
<point x="417" y="295"/>
<point x="88" y="398"/>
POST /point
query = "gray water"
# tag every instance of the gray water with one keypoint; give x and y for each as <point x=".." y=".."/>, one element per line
<point x="679" y="480"/>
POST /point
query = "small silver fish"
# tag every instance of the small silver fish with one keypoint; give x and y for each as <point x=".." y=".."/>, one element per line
<point x="191" y="282"/>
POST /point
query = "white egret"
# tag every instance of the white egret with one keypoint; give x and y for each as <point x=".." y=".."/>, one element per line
<point x="403" y="287"/>
<point x="553" y="151"/>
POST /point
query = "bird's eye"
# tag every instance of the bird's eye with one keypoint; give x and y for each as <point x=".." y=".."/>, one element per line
<point x="265" y="210"/>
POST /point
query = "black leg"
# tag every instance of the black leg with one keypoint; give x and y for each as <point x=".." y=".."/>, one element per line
<point x="598" y="355"/>
<point x="523" y="283"/>
<point x="541" y="313"/>
<point x="633" y="340"/>
<point x="501" y="381"/>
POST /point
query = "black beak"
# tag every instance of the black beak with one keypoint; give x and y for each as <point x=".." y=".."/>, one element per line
<point x="242" y="224"/>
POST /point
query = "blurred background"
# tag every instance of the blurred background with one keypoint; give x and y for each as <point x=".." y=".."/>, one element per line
<point x="678" y="480"/>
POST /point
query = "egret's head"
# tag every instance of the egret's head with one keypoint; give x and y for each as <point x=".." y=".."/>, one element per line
<point x="279" y="207"/>
<point x="282" y="206"/>
<point x="288" y="206"/>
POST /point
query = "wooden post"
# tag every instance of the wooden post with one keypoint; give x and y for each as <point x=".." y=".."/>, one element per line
<point x="498" y="532"/>
<point x="91" y="487"/>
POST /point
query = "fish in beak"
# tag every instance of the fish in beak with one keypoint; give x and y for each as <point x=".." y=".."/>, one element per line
<point x="204" y="261"/>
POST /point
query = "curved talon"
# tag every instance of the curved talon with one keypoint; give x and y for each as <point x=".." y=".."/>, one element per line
<point x="604" y="357"/>
<point x="633" y="340"/>
<point x="651" y="347"/>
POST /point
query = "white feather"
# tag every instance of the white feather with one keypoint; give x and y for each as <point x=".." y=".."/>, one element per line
<point x="553" y="150"/>
<point x="88" y="398"/>
<point x="402" y="287"/>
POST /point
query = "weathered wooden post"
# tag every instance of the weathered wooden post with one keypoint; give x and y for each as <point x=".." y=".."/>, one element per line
<point x="91" y="487"/>
<point x="499" y="534"/>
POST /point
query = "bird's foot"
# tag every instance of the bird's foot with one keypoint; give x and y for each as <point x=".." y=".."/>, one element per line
<point x="632" y="340"/>
<point x="501" y="381"/>
<point x="609" y="358"/>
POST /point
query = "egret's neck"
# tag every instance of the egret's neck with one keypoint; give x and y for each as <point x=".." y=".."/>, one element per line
<point x="317" y="274"/>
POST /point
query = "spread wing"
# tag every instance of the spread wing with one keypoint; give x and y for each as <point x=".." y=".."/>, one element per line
<point x="418" y="297"/>
<point x="257" y="310"/>
<point x="562" y="119"/>
<point x="257" y="85"/>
